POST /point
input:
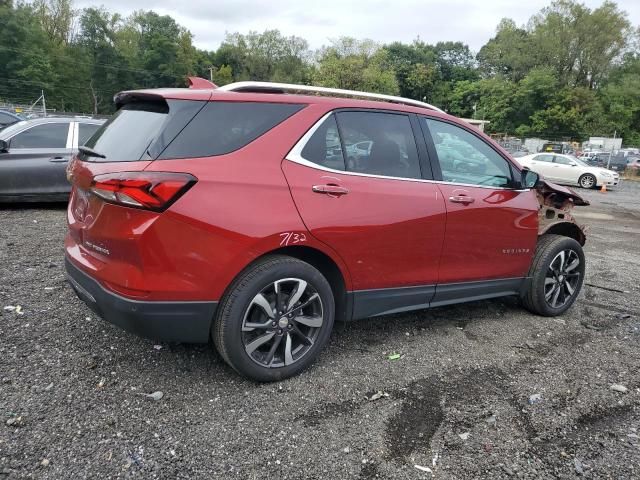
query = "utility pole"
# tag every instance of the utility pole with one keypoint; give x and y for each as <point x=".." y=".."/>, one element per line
<point x="611" y="151"/>
<point x="211" y="72"/>
<point x="44" y="105"/>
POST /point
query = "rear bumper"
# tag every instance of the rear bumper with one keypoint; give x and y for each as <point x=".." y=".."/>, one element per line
<point x="188" y="322"/>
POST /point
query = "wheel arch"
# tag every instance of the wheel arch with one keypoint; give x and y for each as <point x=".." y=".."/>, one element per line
<point x="332" y="269"/>
<point x="565" y="229"/>
<point x="329" y="268"/>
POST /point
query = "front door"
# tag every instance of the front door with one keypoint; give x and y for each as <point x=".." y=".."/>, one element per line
<point x="35" y="163"/>
<point x="565" y="170"/>
<point x="492" y="227"/>
<point x="371" y="206"/>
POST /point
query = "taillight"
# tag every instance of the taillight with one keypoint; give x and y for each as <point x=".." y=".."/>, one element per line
<point x="149" y="190"/>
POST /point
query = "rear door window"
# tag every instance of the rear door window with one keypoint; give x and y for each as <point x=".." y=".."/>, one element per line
<point x="379" y="144"/>
<point x="373" y="143"/>
<point x="48" y="135"/>
<point x="223" y="127"/>
<point x="324" y="147"/>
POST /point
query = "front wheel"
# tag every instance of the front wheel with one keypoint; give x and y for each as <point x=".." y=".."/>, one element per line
<point x="556" y="276"/>
<point x="587" y="181"/>
<point x="275" y="319"/>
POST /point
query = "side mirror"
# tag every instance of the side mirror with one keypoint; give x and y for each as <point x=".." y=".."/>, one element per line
<point x="573" y="164"/>
<point x="4" y="146"/>
<point x="529" y="178"/>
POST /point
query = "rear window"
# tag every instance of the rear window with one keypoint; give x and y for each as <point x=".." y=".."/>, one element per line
<point x="85" y="130"/>
<point x="129" y="133"/>
<point x="223" y="127"/>
<point x="184" y="129"/>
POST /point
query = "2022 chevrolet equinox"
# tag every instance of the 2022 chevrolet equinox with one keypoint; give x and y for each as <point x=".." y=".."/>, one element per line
<point x="254" y="215"/>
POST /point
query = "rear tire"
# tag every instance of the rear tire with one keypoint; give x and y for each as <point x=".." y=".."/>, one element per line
<point x="275" y="319"/>
<point x="556" y="276"/>
<point x="587" y="181"/>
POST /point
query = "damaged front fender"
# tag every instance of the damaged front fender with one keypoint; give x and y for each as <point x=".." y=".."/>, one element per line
<point x="555" y="214"/>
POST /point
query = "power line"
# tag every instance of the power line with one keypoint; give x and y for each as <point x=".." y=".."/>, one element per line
<point x="90" y="64"/>
<point x="42" y="85"/>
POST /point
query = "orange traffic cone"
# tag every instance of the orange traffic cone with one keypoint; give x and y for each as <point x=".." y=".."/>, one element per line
<point x="603" y="188"/>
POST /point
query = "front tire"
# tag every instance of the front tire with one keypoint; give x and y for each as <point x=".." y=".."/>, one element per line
<point x="587" y="181"/>
<point x="275" y="319"/>
<point x="556" y="276"/>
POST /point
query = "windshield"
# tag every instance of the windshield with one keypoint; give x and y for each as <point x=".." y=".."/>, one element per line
<point x="11" y="130"/>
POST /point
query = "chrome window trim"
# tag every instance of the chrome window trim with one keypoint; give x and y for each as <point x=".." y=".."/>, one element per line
<point x="70" y="134"/>
<point x="295" y="156"/>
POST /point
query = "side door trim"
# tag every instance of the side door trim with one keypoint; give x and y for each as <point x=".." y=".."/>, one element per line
<point x="387" y="301"/>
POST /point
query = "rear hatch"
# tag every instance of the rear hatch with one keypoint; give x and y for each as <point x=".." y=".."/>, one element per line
<point x="125" y="228"/>
<point x="113" y="200"/>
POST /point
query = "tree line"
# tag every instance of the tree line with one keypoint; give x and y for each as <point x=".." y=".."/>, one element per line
<point x="569" y="73"/>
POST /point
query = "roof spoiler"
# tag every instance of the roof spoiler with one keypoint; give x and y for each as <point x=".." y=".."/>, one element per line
<point x="202" y="83"/>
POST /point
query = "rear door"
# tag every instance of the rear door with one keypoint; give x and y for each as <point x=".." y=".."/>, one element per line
<point x="543" y="165"/>
<point x="491" y="228"/>
<point x="372" y="205"/>
<point x="35" y="164"/>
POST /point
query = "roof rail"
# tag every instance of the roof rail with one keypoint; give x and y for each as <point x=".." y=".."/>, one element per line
<point x="270" y="87"/>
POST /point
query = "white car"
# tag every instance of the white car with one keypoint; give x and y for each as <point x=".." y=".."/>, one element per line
<point x="569" y="170"/>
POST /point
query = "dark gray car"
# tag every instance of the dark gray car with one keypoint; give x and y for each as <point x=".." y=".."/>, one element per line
<point x="34" y="156"/>
<point x="8" y="118"/>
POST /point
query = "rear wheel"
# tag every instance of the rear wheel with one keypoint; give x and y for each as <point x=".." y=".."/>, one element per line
<point x="557" y="273"/>
<point x="587" y="181"/>
<point x="275" y="319"/>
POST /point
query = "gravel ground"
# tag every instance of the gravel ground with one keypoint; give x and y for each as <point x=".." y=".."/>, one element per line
<point x="482" y="390"/>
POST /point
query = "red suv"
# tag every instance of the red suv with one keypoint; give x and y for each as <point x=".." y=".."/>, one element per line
<point x="255" y="215"/>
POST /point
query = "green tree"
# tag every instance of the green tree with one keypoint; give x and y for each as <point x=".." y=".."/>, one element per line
<point x="508" y="53"/>
<point x="356" y="65"/>
<point x="581" y="45"/>
<point x="163" y="49"/>
<point x="266" y="56"/>
<point x="24" y="54"/>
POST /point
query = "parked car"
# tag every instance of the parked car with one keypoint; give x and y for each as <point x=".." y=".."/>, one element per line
<point x="610" y="161"/>
<point x="633" y="166"/>
<point x="557" y="147"/>
<point x="8" y="118"/>
<point x="569" y="170"/>
<point x="229" y="214"/>
<point x="34" y="156"/>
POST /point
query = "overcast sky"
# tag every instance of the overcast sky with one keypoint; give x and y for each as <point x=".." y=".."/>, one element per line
<point x="470" y="21"/>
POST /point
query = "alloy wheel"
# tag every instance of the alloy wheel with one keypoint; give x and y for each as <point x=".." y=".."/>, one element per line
<point x="562" y="278"/>
<point x="587" y="181"/>
<point x="282" y="322"/>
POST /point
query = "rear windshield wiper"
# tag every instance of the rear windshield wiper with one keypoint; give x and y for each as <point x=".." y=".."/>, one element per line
<point x="90" y="152"/>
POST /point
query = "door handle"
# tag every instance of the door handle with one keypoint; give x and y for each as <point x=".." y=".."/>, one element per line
<point x="58" y="159"/>
<point x="461" y="199"/>
<point x="330" y="189"/>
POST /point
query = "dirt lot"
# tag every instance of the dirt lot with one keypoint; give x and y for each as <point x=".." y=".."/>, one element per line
<point x="483" y="390"/>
